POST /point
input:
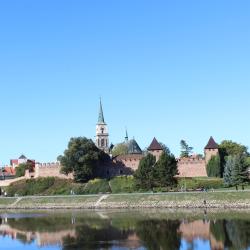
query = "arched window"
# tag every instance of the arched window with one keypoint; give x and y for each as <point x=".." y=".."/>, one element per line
<point x="102" y="143"/>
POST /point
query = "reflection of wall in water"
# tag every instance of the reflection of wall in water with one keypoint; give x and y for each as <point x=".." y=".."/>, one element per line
<point x="199" y="229"/>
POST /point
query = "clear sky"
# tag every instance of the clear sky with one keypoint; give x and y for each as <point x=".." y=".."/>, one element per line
<point x="171" y="69"/>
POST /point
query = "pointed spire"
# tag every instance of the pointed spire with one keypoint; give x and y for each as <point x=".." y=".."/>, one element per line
<point x="212" y="144"/>
<point x="101" y="116"/>
<point x="155" y="145"/>
<point x="126" y="136"/>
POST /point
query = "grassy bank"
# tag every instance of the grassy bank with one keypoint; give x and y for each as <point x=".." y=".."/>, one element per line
<point x="122" y="184"/>
<point x="136" y="200"/>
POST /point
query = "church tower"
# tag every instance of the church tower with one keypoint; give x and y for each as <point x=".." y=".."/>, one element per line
<point x="102" y="136"/>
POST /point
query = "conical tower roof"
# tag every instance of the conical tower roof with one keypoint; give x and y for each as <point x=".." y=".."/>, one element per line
<point x="155" y="145"/>
<point x="212" y="144"/>
<point x="101" y="116"/>
<point x="133" y="147"/>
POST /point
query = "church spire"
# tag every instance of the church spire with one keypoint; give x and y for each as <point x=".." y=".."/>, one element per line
<point x="101" y="116"/>
<point x="126" y="136"/>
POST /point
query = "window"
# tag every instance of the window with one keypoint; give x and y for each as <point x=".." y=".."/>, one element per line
<point x="102" y="143"/>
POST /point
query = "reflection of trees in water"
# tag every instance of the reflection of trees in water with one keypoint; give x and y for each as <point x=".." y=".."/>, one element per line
<point x="235" y="234"/>
<point x="159" y="234"/>
<point x="40" y="224"/>
<point x="93" y="238"/>
<point x="92" y="232"/>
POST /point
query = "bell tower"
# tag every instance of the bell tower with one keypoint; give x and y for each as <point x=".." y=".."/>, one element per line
<point x="102" y="135"/>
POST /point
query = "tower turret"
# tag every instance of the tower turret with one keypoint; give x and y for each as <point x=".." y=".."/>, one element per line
<point x="102" y="135"/>
<point x="211" y="149"/>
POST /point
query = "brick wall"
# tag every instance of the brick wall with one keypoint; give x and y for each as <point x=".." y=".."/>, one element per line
<point x="50" y="170"/>
<point x="192" y="167"/>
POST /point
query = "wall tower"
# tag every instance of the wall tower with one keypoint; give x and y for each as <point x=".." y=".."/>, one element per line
<point x="102" y="135"/>
<point x="212" y="149"/>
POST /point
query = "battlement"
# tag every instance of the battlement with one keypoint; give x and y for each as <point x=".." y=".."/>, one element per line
<point x="50" y="169"/>
<point x="194" y="159"/>
<point x="193" y="166"/>
<point x="49" y="164"/>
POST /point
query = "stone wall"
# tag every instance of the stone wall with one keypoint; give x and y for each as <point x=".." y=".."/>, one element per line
<point x="50" y="170"/>
<point x="130" y="161"/>
<point x="192" y="167"/>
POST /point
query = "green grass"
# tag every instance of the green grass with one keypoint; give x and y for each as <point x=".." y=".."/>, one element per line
<point x="57" y="201"/>
<point x="200" y="182"/>
<point x="96" y="186"/>
<point x="6" y="201"/>
<point x="122" y="184"/>
<point x="180" y="197"/>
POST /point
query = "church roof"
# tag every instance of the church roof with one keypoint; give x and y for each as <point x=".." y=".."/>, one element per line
<point x="22" y="157"/>
<point x="133" y="147"/>
<point x="212" y="144"/>
<point x="155" y="145"/>
<point x="101" y="116"/>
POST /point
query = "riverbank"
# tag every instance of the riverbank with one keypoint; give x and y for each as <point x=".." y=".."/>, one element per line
<point x="219" y="199"/>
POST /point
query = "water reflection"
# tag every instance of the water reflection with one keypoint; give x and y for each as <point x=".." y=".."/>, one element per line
<point x="127" y="230"/>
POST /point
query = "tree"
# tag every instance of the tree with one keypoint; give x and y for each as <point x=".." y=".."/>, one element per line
<point x="235" y="172"/>
<point x="227" y="148"/>
<point x="186" y="150"/>
<point x="229" y="166"/>
<point x="213" y="167"/>
<point x="144" y="174"/>
<point x="120" y="149"/>
<point x="239" y="172"/>
<point x="82" y="158"/>
<point x="165" y="170"/>
<point x="21" y="168"/>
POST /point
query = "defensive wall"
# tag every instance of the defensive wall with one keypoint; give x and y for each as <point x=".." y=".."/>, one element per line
<point x="193" y="166"/>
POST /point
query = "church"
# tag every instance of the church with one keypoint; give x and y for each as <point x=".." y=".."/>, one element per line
<point x="128" y="160"/>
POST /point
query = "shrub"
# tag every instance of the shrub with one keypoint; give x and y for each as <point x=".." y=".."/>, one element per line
<point x="95" y="186"/>
<point x="123" y="184"/>
<point x="198" y="183"/>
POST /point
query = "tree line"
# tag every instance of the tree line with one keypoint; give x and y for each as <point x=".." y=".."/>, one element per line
<point x="83" y="159"/>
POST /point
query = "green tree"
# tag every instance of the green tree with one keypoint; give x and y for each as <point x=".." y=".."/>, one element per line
<point x="227" y="148"/>
<point x="235" y="172"/>
<point x="165" y="170"/>
<point x="186" y="150"/>
<point x="239" y="172"/>
<point x="229" y="166"/>
<point x="120" y="149"/>
<point x="213" y="167"/>
<point x="21" y="168"/>
<point x="144" y="174"/>
<point x="82" y="158"/>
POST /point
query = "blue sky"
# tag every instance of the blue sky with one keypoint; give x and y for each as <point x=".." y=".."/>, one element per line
<point x="171" y="69"/>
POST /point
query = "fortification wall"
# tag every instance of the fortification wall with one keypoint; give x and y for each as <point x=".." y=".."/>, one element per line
<point x="190" y="167"/>
<point x="50" y="170"/>
<point x="130" y="161"/>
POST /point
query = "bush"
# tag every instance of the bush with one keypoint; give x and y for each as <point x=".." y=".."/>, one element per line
<point x="123" y="184"/>
<point x="40" y="186"/>
<point x="198" y="183"/>
<point x="20" y="170"/>
<point x="95" y="186"/>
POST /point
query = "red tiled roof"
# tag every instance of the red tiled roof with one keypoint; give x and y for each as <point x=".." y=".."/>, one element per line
<point x="9" y="171"/>
<point x="155" y="145"/>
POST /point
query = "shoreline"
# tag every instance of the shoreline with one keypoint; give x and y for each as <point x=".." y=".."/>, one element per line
<point x="195" y="200"/>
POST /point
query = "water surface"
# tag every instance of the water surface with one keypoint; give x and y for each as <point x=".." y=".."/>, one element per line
<point x="124" y="229"/>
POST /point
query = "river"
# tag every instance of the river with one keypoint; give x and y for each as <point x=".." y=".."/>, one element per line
<point x="125" y="229"/>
